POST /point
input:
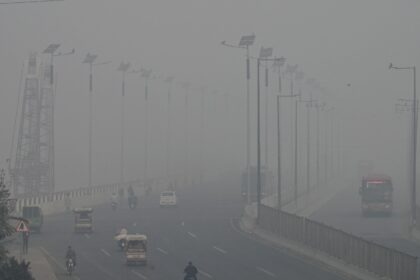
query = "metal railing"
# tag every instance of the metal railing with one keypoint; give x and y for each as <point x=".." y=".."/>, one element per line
<point x="351" y="249"/>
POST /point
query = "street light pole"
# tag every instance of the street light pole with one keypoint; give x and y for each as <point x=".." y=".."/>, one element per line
<point x="298" y="76"/>
<point x="89" y="60"/>
<point x="186" y="87"/>
<point x="169" y="81"/>
<point x="265" y="53"/>
<point x="201" y="146"/>
<point x="248" y="125"/>
<point x="266" y="118"/>
<point x="146" y="74"/>
<point x="123" y="68"/>
<point x="244" y="43"/>
<point x="278" y="63"/>
<point x="414" y="144"/>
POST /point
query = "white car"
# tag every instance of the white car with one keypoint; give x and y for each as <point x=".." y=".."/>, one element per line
<point x="168" y="198"/>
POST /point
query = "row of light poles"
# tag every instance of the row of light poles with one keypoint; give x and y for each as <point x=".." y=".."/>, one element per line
<point x="264" y="57"/>
<point x="413" y="152"/>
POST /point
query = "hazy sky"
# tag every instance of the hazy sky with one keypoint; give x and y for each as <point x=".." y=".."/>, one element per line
<point x="335" y="42"/>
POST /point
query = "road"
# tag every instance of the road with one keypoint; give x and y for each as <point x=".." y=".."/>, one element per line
<point x="203" y="229"/>
<point x="343" y="211"/>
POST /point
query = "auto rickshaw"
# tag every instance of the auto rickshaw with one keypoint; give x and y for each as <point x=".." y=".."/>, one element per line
<point x="136" y="248"/>
<point x="83" y="221"/>
<point x="35" y="217"/>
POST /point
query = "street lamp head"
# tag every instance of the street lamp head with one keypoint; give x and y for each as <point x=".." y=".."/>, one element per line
<point x="51" y="48"/>
<point x="390" y="66"/>
<point x="279" y="62"/>
<point x="169" y="79"/>
<point x="124" y="66"/>
<point x="145" y="73"/>
<point x="266" y="52"/>
<point x="291" y="68"/>
<point x="185" y="85"/>
<point x="246" y="41"/>
<point x="90" y="58"/>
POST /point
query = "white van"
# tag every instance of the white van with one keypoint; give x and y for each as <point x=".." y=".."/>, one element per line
<point x="168" y="198"/>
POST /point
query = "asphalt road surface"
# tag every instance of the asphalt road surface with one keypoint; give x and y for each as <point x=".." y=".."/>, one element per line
<point x="344" y="212"/>
<point x="203" y="229"/>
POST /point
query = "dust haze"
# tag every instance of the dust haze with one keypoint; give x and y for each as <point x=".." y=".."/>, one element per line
<point x="346" y="46"/>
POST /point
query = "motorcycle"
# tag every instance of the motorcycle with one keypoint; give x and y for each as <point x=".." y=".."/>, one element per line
<point x="70" y="266"/>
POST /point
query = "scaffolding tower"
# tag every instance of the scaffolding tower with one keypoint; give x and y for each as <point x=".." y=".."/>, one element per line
<point x="33" y="171"/>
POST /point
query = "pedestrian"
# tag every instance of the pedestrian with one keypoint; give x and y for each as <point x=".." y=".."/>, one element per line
<point x="25" y="236"/>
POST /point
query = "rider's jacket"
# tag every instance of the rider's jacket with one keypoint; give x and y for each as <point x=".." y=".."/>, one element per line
<point x="190" y="270"/>
<point x="71" y="255"/>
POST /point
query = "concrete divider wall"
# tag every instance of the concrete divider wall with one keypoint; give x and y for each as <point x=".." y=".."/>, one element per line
<point x="58" y="202"/>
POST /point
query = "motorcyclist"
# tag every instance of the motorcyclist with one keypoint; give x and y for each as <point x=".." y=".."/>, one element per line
<point x="71" y="254"/>
<point x="190" y="272"/>
<point x="121" y="236"/>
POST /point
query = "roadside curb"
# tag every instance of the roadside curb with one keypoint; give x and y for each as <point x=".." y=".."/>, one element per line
<point x="319" y="259"/>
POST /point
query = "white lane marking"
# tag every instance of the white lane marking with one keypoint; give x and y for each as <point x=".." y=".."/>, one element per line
<point x="205" y="274"/>
<point x="266" y="271"/>
<point x="192" y="235"/>
<point x="219" y="249"/>
<point x="134" y="224"/>
<point x="92" y="261"/>
<point x="87" y="236"/>
<point x="139" y="275"/>
<point x="105" y="252"/>
<point x="182" y="224"/>
<point x="162" y="251"/>
<point x="57" y="262"/>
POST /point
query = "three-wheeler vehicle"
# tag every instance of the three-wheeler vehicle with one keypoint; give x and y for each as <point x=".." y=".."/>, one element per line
<point x="83" y="220"/>
<point x="135" y="249"/>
